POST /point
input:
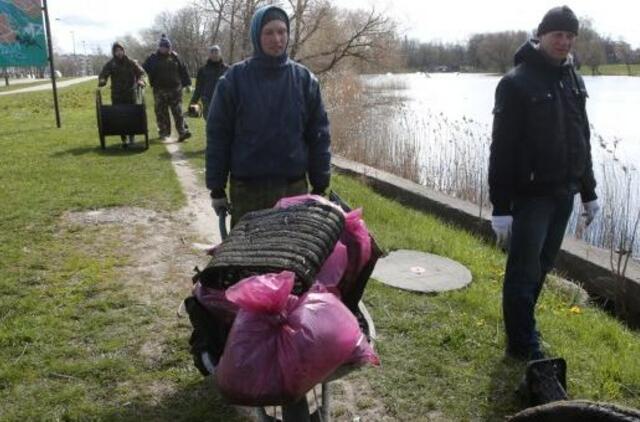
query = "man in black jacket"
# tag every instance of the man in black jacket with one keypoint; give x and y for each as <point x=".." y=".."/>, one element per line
<point x="207" y="79"/>
<point x="168" y="75"/>
<point x="540" y="158"/>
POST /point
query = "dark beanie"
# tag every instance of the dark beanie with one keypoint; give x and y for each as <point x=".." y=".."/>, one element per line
<point x="164" y="42"/>
<point x="274" y="14"/>
<point x="559" y="19"/>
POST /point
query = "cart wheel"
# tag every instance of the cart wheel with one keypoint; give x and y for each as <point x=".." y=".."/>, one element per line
<point x="146" y="120"/>
<point x="577" y="411"/>
<point x="99" y="119"/>
<point x="296" y="412"/>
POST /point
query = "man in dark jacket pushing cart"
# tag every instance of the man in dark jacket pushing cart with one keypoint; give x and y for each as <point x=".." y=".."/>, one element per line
<point x="126" y="74"/>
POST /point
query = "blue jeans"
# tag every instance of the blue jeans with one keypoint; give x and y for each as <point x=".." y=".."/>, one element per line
<point x="539" y="225"/>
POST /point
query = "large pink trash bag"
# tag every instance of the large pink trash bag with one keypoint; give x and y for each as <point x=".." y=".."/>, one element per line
<point x="281" y="345"/>
<point x="334" y="268"/>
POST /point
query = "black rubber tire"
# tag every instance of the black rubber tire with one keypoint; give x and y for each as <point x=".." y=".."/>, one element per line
<point x="577" y="411"/>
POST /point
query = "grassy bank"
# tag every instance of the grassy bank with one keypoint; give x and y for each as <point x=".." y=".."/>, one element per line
<point x="75" y="329"/>
<point x="444" y="354"/>
<point x="14" y="87"/>
<point x="614" y="70"/>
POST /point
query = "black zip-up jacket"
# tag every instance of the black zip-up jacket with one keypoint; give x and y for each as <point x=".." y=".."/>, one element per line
<point x="207" y="79"/>
<point x="540" y="142"/>
<point x="166" y="71"/>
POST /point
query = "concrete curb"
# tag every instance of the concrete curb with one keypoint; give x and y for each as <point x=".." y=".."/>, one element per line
<point x="586" y="265"/>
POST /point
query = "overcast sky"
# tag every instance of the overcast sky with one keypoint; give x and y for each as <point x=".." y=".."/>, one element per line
<point x="98" y="22"/>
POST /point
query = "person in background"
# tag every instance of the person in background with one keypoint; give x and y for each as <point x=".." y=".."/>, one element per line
<point x="168" y="76"/>
<point x="207" y="79"/>
<point x="126" y="74"/>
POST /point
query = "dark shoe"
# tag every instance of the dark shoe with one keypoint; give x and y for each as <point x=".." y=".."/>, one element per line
<point x="184" y="136"/>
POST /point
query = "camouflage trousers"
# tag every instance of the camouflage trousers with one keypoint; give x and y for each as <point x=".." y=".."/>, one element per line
<point x="165" y="101"/>
<point x="260" y="194"/>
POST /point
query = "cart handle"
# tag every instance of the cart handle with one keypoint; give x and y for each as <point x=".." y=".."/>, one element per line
<point x="222" y="224"/>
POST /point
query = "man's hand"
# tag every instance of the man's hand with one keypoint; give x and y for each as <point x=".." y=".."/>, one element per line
<point x="101" y="83"/>
<point x="591" y="209"/>
<point x="501" y="225"/>
<point x="220" y="205"/>
<point x="141" y="83"/>
<point x="187" y="89"/>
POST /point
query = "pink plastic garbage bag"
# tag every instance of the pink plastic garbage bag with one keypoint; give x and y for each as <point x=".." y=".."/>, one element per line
<point x="334" y="268"/>
<point x="281" y="345"/>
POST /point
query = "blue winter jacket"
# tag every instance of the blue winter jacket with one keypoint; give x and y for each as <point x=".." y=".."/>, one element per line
<point x="267" y="121"/>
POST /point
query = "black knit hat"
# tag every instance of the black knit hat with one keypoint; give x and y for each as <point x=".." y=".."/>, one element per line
<point x="559" y="19"/>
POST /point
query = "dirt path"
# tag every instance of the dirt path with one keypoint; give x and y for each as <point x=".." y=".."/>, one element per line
<point x="159" y="251"/>
<point x="47" y="86"/>
<point x="198" y="211"/>
<point x="352" y="400"/>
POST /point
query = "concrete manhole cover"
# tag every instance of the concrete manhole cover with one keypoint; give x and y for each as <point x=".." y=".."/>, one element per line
<point x="421" y="272"/>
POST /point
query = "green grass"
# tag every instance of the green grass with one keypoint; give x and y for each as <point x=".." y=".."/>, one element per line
<point x="70" y="328"/>
<point x="14" y="87"/>
<point x="445" y="352"/>
<point x="614" y="70"/>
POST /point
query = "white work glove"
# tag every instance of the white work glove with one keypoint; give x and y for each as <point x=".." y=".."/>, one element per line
<point x="501" y="225"/>
<point x="591" y="209"/>
<point x="220" y="205"/>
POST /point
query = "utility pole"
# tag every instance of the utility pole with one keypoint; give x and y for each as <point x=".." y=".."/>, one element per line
<point x="52" y="68"/>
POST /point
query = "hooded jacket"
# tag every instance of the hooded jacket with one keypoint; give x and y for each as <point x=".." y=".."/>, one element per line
<point x="541" y="139"/>
<point x="267" y="121"/>
<point x="124" y="74"/>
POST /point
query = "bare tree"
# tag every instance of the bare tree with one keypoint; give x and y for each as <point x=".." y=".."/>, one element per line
<point x="590" y="47"/>
<point x="624" y="53"/>
<point x="217" y="8"/>
<point x="344" y="35"/>
<point x="495" y="51"/>
<point x="307" y="18"/>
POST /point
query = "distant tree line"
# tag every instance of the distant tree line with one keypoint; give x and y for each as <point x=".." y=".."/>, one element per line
<point x="328" y="38"/>
<point x="323" y="36"/>
<point x="493" y="52"/>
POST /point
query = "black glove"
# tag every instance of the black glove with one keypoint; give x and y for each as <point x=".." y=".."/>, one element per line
<point x="219" y="201"/>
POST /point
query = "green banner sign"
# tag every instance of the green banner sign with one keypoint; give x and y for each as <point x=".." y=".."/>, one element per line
<point x="22" y="39"/>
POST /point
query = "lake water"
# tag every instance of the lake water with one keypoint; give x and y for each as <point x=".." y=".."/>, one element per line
<point x="613" y="106"/>
<point x="446" y="121"/>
